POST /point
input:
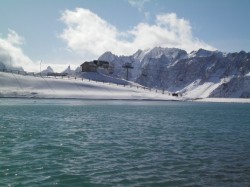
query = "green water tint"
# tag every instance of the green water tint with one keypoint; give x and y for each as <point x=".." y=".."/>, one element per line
<point x="123" y="143"/>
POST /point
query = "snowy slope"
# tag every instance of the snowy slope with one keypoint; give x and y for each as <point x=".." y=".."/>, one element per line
<point x="102" y="78"/>
<point x="14" y="85"/>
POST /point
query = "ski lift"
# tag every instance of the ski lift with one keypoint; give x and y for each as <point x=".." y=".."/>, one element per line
<point x="127" y="66"/>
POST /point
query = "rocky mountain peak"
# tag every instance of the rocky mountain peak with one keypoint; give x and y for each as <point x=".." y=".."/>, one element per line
<point x="108" y="56"/>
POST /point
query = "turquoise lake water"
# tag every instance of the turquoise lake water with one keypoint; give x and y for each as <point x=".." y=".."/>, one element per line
<point x="123" y="143"/>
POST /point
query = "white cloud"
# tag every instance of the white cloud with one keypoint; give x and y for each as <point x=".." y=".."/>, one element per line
<point x="138" y="3"/>
<point x="146" y="15"/>
<point x="14" y="38"/>
<point x="11" y="53"/>
<point x="88" y="34"/>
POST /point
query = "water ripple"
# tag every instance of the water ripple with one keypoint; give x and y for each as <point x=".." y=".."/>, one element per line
<point x="124" y="144"/>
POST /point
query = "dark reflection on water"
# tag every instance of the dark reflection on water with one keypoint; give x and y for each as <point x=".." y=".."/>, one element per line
<point x="123" y="143"/>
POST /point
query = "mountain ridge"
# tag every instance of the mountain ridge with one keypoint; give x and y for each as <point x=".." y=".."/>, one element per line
<point x="175" y="70"/>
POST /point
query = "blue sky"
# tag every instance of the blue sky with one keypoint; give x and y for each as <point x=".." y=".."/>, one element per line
<point x="62" y="32"/>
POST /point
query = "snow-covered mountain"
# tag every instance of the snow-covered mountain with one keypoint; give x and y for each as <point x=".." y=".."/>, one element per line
<point x="201" y="73"/>
<point x="69" y="71"/>
<point x="47" y="71"/>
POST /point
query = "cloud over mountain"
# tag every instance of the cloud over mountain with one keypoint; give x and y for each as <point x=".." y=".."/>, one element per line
<point x="88" y="34"/>
<point x="11" y="53"/>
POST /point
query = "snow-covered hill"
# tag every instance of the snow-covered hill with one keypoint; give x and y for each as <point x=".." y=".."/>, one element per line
<point x="199" y="74"/>
<point x="16" y="85"/>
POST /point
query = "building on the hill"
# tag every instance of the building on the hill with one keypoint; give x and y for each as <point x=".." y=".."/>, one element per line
<point x="89" y="67"/>
<point x="92" y="66"/>
<point x="101" y="63"/>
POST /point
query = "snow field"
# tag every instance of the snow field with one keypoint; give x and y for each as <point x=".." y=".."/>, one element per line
<point x="14" y="85"/>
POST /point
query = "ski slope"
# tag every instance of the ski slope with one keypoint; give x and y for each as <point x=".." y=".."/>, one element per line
<point x="14" y="85"/>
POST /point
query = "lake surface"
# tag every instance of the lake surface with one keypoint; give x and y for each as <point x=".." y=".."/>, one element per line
<point x="123" y="143"/>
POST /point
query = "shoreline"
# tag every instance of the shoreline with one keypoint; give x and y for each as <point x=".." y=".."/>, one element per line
<point x="223" y="100"/>
<point x="90" y="99"/>
<point x="200" y="100"/>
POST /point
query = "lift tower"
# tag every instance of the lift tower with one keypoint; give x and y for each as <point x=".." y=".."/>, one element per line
<point x="127" y="66"/>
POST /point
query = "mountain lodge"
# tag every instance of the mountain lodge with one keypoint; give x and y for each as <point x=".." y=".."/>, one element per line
<point x="92" y="66"/>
